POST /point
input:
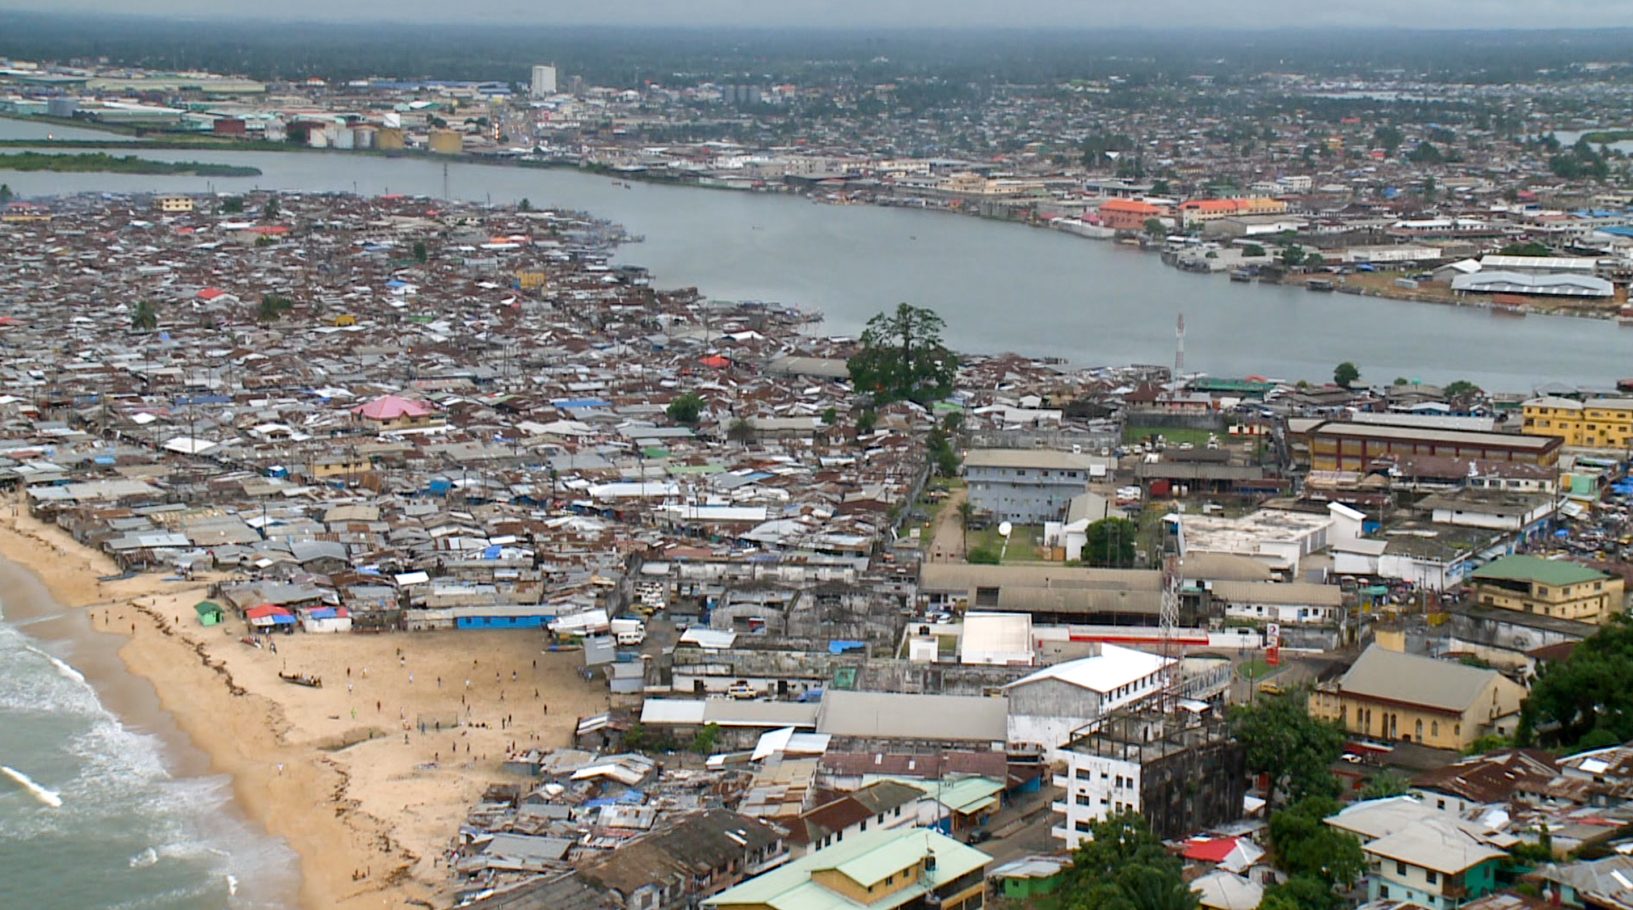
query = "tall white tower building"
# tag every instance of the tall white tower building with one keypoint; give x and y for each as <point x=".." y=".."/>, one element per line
<point x="544" y="81"/>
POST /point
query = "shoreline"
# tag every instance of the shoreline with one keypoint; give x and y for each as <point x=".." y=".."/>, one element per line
<point x="367" y="814"/>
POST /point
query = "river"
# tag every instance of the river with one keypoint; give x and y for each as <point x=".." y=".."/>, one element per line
<point x="1000" y="287"/>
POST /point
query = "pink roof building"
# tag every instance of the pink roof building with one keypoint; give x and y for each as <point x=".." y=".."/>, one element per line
<point x="392" y="407"/>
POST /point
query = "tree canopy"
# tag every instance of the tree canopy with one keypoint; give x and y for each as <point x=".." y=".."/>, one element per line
<point x="902" y="357"/>
<point x="687" y="409"/>
<point x="1289" y="746"/>
<point x="1306" y="846"/>
<point x="1124" y="867"/>
<point x="1110" y="543"/>
<point x="144" y="318"/>
<point x="1346" y="373"/>
<point x="1586" y="700"/>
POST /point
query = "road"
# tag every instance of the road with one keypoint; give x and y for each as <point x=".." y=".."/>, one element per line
<point x="947" y="544"/>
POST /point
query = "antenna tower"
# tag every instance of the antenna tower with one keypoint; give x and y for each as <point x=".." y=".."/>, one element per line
<point x="1168" y="623"/>
<point x="1179" y="346"/>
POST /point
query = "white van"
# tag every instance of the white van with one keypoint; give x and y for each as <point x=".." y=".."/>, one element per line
<point x="628" y="631"/>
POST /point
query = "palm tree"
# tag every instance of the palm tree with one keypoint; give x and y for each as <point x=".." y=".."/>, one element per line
<point x="740" y="432"/>
<point x="145" y="318"/>
<point x="966" y="514"/>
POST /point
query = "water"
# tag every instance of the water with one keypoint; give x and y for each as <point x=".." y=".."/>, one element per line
<point x="1000" y="287"/>
<point x="92" y="814"/>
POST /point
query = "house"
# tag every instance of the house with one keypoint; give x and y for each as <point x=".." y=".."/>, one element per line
<point x="1601" y="883"/>
<point x="1597" y="423"/>
<point x="1047" y="707"/>
<point x="1026" y="486"/>
<point x="1221" y="890"/>
<point x="884" y="804"/>
<point x="877" y="870"/>
<point x="1549" y="587"/>
<point x="698" y="856"/>
<point x="1484" y="780"/>
<point x="393" y="412"/>
<point x="1403" y="697"/>
<point x="878" y="717"/>
<point x="1423" y="855"/>
<point x="1348" y="446"/>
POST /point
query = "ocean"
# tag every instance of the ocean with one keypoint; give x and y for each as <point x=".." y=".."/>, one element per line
<point x="95" y="810"/>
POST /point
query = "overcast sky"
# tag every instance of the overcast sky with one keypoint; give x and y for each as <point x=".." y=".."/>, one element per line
<point x="866" y="13"/>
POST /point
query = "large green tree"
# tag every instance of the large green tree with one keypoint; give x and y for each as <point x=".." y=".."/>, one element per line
<point x="902" y="357"/>
<point x="1586" y="700"/>
<point x="687" y="408"/>
<point x="1306" y="846"/>
<point x="144" y="318"/>
<point x="1283" y="742"/>
<point x="1346" y="373"/>
<point x="1110" y="543"/>
<point x="1124" y="867"/>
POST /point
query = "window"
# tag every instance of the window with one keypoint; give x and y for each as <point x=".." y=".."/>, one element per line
<point x="1434" y="728"/>
<point x="1081" y="825"/>
<point x="1083" y="799"/>
<point x="1433" y="878"/>
<point x="864" y="824"/>
<point x="1400" y="868"/>
<point x="898" y="811"/>
<point x="1084" y="774"/>
<point x="890" y="879"/>
<point x="1383" y="891"/>
<point x="1440" y="804"/>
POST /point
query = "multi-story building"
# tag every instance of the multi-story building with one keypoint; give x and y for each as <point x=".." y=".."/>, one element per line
<point x="1129" y="214"/>
<point x="544" y="81"/>
<point x="174" y="204"/>
<point x="882" y="869"/>
<point x="1026" y="486"/>
<point x="1548" y="587"/>
<point x="1346" y="446"/>
<point x="1418" y="855"/>
<point x="1404" y="697"/>
<point x="1180" y="772"/>
<point x="701" y="855"/>
<point x="1598" y="423"/>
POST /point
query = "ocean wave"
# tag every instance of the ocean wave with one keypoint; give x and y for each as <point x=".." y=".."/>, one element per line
<point x="62" y="667"/>
<point x="41" y="794"/>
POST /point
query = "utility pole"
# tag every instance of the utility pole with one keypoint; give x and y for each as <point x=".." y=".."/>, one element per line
<point x="1179" y="347"/>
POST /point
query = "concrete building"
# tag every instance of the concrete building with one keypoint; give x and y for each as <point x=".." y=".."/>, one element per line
<point x="544" y="81"/>
<point x="1049" y="706"/>
<point x="1182" y="772"/>
<point x="1406" y="698"/>
<point x="1276" y="537"/>
<point x="1025" y="486"/>
<point x="1597" y="423"/>
<point x="701" y="855"/>
<point x="174" y="204"/>
<point x="1346" y="446"/>
<point x="874" y="870"/>
<point x="1550" y="587"/>
<point x="1418" y="855"/>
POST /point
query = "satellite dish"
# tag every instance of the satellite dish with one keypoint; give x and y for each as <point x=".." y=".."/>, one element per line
<point x="1005" y="528"/>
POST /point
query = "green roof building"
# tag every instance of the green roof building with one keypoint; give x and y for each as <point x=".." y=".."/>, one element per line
<point x="882" y="869"/>
<point x="1548" y="587"/>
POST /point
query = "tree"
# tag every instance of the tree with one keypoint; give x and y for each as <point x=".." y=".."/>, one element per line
<point x="1430" y="189"/>
<point x="1425" y="153"/>
<point x="740" y="432"/>
<point x="5" y="193"/>
<point x="420" y="253"/>
<point x="902" y="357"/>
<point x="273" y="307"/>
<point x="1155" y="227"/>
<point x="942" y="454"/>
<point x="270" y="211"/>
<point x="1388" y="138"/>
<point x="1252" y="251"/>
<point x="1586" y="700"/>
<point x="1301" y="892"/>
<point x="1460" y="388"/>
<point x="1287" y="745"/>
<point x="232" y="205"/>
<point x="1293" y="255"/>
<point x="830" y="416"/>
<point x="1529" y="248"/>
<point x="1161" y="188"/>
<point x="1384" y="783"/>
<point x="1346" y="373"/>
<point x="966" y="515"/>
<point x="703" y="740"/>
<point x="1307" y="847"/>
<point x="1124" y="867"/>
<point x="865" y="422"/>
<point x="1110" y="542"/>
<point x="525" y="205"/>
<point x="144" y="318"/>
<point x="686" y="409"/>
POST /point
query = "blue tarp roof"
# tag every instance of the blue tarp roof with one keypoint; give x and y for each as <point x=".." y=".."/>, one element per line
<point x="491" y="552"/>
<point x="579" y="403"/>
<point x="839" y="646"/>
<point x="630" y="797"/>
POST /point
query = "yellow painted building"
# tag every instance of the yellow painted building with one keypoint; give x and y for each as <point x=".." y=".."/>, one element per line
<point x="1387" y="695"/>
<point x="1597" y="423"/>
<point x="882" y="869"/>
<point x="1548" y="587"/>
<point x="389" y="139"/>
<point x="175" y="204"/>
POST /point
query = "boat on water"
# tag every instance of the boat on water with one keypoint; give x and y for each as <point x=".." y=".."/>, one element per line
<point x="1242" y="275"/>
<point x="302" y="679"/>
<point x="1320" y="284"/>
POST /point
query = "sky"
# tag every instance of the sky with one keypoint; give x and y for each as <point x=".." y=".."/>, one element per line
<point x="1086" y="14"/>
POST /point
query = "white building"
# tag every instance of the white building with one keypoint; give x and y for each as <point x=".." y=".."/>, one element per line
<point x="544" y="82"/>
<point x="1278" y="538"/>
<point x="1028" y="486"/>
<point x="1047" y="707"/>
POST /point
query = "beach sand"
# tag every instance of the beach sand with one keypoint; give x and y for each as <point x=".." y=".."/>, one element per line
<point x="342" y="773"/>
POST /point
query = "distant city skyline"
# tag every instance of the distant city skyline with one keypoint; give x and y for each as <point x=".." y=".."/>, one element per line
<point x="841" y="14"/>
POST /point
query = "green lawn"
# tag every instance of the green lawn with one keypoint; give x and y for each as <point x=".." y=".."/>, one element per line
<point x="1023" y="546"/>
<point x="1173" y="435"/>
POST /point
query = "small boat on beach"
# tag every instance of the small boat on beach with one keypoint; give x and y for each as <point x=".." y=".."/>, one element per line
<point x="1321" y="285"/>
<point x="302" y="679"/>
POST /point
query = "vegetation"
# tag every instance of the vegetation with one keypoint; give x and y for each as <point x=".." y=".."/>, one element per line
<point x="1124" y="867"/>
<point x="1460" y="388"/>
<point x="1253" y="250"/>
<point x="232" y="205"/>
<point x="273" y="307"/>
<point x="830" y="416"/>
<point x="420" y="253"/>
<point x="1287" y="745"/>
<point x="1110" y="543"/>
<point x="1315" y="855"/>
<point x="703" y="740"/>
<point x="902" y="357"/>
<point x="5" y="193"/>
<point x="1294" y="256"/>
<point x="1580" y="162"/>
<point x="1529" y="248"/>
<point x="101" y="162"/>
<point x="144" y="318"/>
<point x="687" y="409"/>
<point x="740" y="432"/>
<point x="1384" y="783"/>
<point x="943" y="457"/>
<point x="865" y="421"/>
<point x="271" y="210"/>
<point x="1607" y="137"/>
<point x="1346" y="373"/>
<point x="1586" y="700"/>
<point x="1155" y="228"/>
<point x="982" y="556"/>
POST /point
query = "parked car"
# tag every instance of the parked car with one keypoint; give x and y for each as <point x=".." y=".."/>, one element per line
<point x="978" y="836"/>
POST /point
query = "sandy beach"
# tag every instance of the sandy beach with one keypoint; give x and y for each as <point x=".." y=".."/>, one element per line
<point x="343" y="773"/>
